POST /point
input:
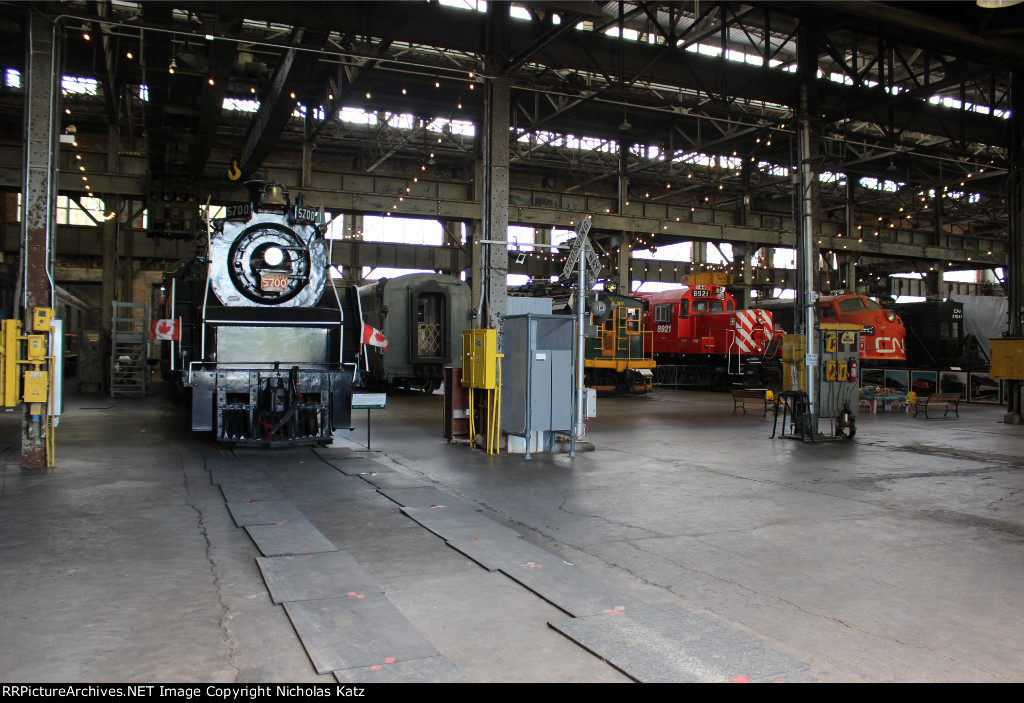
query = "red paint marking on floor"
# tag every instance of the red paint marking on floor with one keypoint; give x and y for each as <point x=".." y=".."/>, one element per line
<point x="739" y="679"/>
<point x="530" y="565"/>
<point x="376" y="667"/>
<point x="389" y="660"/>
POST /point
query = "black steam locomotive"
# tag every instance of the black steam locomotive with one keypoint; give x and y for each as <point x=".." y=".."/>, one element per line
<point x="266" y="343"/>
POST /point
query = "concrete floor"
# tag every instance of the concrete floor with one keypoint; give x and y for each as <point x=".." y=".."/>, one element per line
<point x="895" y="557"/>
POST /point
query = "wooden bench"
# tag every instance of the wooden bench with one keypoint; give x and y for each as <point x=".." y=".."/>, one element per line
<point x="740" y="398"/>
<point x="948" y="400"/>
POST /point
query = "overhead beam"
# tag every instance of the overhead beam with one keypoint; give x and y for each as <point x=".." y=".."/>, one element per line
<point x="211" y="100"/>
<point x="277" y="105"/>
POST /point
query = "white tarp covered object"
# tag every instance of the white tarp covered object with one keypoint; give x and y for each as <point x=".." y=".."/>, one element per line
<point x="984" y="317"/>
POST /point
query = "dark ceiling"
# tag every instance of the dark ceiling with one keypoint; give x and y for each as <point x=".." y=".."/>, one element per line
<point x="882" y="68"/>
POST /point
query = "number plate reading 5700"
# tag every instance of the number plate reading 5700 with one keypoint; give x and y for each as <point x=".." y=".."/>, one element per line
<point x="273" y="282"/>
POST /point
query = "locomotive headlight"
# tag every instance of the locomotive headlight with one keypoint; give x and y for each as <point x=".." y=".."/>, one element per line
<point x="273" y="256"/>
<point x="890" y="316"/>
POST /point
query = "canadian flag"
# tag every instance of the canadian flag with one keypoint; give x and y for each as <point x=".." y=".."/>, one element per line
<point x="374" y="337"/>
<point x="165" y="329"/>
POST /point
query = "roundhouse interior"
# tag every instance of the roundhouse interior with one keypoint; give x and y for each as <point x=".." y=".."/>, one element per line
<point x="393" y="500"/>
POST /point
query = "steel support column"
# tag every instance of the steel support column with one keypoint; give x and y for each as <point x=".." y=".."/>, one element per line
<point x="108" y="285"/>
<point x="744" y="277"/>
<point x="807" y="206"/>
<point x="625" y="279"/>
<point x="38" y="231"/>
<point x="307" y="149"/>
<point x="452" y="230"/>
<point x="495" y="200"/>
<point x="1015" y="205"/>
<point x="352" y="226"/>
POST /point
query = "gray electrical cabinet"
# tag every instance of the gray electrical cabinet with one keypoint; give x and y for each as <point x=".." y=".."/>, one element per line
<point x="537" y="375"/>
<point x="838" y="373"/>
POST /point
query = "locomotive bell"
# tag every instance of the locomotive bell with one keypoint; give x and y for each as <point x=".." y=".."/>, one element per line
<point x="274" y="196"/>
<point x="600" y="307"/>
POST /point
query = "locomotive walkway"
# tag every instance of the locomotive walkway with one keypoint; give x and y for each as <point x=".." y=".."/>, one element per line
<point x="149" y="554"/>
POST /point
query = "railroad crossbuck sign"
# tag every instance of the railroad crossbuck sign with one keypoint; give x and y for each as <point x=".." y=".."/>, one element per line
<point x="582" y="243"/>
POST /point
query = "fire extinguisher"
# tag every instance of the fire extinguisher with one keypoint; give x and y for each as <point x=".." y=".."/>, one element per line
<point x="852" y="370"/>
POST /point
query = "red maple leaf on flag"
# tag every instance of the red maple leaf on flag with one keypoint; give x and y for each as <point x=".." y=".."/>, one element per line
<point x="374" y="337"/>
<point x="165" y="329"/>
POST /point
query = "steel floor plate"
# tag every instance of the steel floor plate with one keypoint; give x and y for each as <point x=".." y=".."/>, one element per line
<point x="299" y="537"/>
<point x="349" y="633"/>
<point x="331" y="454"/>
<point x="234" y="463"/>
<point x="421" y="497"/>
<point x="219" y="477"/>
<point x="350" y="462"/>
<point x="458" y="522"/>
<point x="429" y="670"/>
<point x="362" y="467"/>
<point x="315" y="577"/>
<point x="393" y="479"/>
<point x="264" y="512"/>
<point x="240" y="491"/>
<point x="493" y="553"/>
<point x="670" y="645"/>
<point x="567" y="588"/>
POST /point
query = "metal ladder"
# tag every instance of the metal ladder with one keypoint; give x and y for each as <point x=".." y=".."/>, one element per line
<point x="128" y="349"/>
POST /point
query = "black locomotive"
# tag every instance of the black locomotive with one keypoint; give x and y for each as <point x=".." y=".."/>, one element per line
<point x="266" y="343"/>
<point x="936" y="337"/>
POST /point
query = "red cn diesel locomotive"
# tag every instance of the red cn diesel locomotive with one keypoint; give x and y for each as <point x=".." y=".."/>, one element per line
<point x="700" y="325"/>
<point x="883" y="340"/>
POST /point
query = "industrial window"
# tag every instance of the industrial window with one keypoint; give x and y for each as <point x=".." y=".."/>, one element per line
<point x="663" y="313"/>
